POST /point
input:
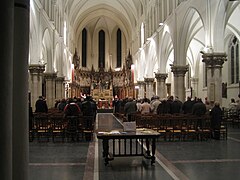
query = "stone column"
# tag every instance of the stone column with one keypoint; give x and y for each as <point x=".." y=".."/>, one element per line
<point x="141" y="93"/>
<point x="161" y="84"/>
<point x="179" y="81"/>
<point x="35" y="82"/>
<point x="6" y="78"/>
<point x="50" y="79"/>
<point x="194" y="85"/>
<point x="149" y="87"/>
<point x="60" y="88"/>
<point x="20" y="121"/>
<point x="214" y="63"/>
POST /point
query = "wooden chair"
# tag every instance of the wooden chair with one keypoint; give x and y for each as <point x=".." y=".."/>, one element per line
<point x="162" y="126"/>
<point x="43" y="127"/>
<point x="86" y="127"/>
<point x="190" y="132"/>
<point x="71" y="129"/>
<point x="176" y="129"/>
<point x="204" y="128"/>
<point x="58" y="126"/>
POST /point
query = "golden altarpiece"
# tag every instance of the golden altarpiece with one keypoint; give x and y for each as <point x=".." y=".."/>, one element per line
<point x="102" y="84"/>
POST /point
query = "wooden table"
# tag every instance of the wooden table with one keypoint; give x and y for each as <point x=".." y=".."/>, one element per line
<point x="129" y="144"/>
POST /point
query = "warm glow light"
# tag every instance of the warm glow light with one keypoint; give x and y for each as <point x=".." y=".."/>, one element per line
<point x="117" y="69"/>
<point x="132" y="67"/>
<point x="166" y="29"/>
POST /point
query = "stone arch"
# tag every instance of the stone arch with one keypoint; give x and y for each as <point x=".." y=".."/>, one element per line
<point x="33" y="39"/>
<point x="189" y="32"/>
<point x="140" y="65"/>
<point x="57" y="60"/>
<point x="100" y="25"/>
<point x="166" y="48"/>
<point x="47" y="51"/>
<point x="151" y="65"/>
<point x="221" y="21"/>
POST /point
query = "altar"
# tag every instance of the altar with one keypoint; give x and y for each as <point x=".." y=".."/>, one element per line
<point x="102" y="83"/>
<point x="105" y="94"/>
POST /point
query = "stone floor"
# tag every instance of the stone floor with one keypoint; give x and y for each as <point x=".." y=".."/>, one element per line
<point x="196" y="160"/>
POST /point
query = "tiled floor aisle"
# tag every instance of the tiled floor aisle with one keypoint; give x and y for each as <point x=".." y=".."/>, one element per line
<point x="207" y="160"/>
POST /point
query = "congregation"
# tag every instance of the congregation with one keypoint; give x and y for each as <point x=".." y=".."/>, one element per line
<point x="173" y="106"/>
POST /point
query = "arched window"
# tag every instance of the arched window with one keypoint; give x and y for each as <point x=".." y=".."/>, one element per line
<point x="84" y="48"/>
<point x="101" y="49"/>
<point x="205" y="75"/>
<point x="119" y="48"/>
<point x="234" y="60"/>
<point x="188" y="77"/>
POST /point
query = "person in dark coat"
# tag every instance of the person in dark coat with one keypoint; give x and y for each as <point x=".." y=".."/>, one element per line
<point x="199" y="108"/>
<point x="187" y="106"/>
<point x="71" y="109"/>
<point x="163" y="107"/>
<point x="130" y="108"/>
<point x="216" y="118"/>
<point x="41" y="105"/>
<point x="87" y="107"/>
<point x="176" y="106"/>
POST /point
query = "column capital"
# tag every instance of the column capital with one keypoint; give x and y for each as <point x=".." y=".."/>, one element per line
<point x="148" y="80"/>
<point x="161" y="76"/>
<point x="140" y="82"/>
<point x="194" y="79"/>
<point x="50" y="75"/>
<point x="179" y="70"/>
<point x="60" y="79"/>
<point x="36" y="68"/>
<point x="214" y="59"/>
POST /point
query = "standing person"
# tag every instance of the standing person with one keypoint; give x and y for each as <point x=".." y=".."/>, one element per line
<point x="145" y="107"/>
<point x="155" y="104"/>
<point x="62" y="105"/>
<point x="163" y="107"/>
<point x="187" y="106"/>
<point x="41" y="105"/>
<point x="169" y="104"/>
<point x="115" y="103"/>
<point x="138" y="104"/>
<point x="176" y="106"/>
<point x="130" y="108"/>
<point x="94" y="107"/>
<point x="87" y="107"/>
<point x="71" y="109"/>
<point x="199" y="108"/>
<point x="216" y="118"/>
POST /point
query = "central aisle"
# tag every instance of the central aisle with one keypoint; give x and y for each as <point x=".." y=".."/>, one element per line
<point x="130" y="168"/>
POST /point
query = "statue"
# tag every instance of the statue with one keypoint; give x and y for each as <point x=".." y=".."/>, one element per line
<point x="76" y="60"/>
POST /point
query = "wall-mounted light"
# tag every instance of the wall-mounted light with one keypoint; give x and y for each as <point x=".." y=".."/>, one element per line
<point x="161" y="24"/>
<point x="149" y="39"/>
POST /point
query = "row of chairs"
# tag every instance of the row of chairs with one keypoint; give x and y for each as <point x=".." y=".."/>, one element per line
<point x="232" y="117"/>
<point x="179" y="127"/>
<point x="57" y="127"/>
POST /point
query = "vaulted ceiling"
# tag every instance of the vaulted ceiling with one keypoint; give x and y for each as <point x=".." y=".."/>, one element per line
<point x="124" y="13"/>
